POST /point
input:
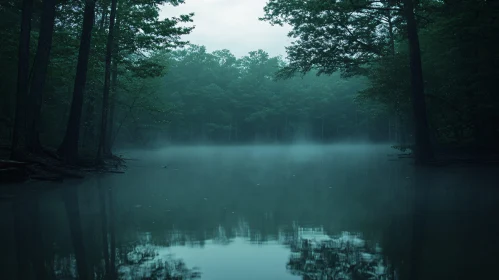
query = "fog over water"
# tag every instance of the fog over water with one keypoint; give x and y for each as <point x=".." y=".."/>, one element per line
<point x="277" y="212"/>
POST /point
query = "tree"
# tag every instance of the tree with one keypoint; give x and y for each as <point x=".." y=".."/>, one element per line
<point x="129" y="48"/>
<point x="104" y="146"/>
<point x="40" y="74"/>
<point x="349" y="36"/>
<point x="333" y="35"/>
<point x="72" y="207"/>
<point x="104" y="228"/>
<point x="218" y="98"/>
<point x="423" y="150"/>
<point x="9" y="31"/>
<point x="19" y="134"/>
<point x="69" y="146"/>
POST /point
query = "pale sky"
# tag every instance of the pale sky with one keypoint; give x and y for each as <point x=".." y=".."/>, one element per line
<point x="232" y="25"/>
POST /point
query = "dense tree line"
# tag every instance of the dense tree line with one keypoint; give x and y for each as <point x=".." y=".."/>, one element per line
<point x="64" y="59"/>
<point x="90" y="74"/>
<point x="444" y="51"/>
<point x="96" y="72"/>
<point x="218" y="98"/>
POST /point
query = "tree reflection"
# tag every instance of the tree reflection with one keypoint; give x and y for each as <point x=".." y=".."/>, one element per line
<point x="29" y="241"/>
<point x="144" y="262"/>
<point x="346" y="256"/>
<point x="115" y="259"/>
<point x="72" y="206"/>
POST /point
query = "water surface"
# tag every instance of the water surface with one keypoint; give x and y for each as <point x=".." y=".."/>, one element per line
<point x="273" y="212"/>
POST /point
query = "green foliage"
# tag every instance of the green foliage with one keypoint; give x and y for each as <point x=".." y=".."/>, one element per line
<point x="169" y="89"/>
<point x="459" y="47"/>
<point x="216" y="97"/>
<point x="141" y="37"/>
<point x="459" y="50"/>
<point x="333" y="36"/>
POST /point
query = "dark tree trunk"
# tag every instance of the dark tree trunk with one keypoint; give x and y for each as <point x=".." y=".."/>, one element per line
<point x="73" y="213"/>
<point x="19" y="133"/>
<point x="104" y="141"/>
<point x="423" y="150"/>
<point x="69" y="146"/>
<point x="104" y="228"/>
<point x="114" y="84"/>
<point x="88" y="136"/>
<point x="42" y="60"/>
<point x="112" y="107"/>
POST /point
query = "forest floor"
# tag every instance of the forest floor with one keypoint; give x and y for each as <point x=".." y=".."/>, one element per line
<point x="48" y="166"/>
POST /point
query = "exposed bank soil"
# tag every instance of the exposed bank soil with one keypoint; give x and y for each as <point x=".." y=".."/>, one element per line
<point x="50" y="167"/>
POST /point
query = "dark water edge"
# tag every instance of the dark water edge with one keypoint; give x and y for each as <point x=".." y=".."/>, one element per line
<point x="271" y="212"/>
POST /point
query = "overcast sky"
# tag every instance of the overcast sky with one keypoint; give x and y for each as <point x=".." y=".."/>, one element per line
<point x="233" y="25"/>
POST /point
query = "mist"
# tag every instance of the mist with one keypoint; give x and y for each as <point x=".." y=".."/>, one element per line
<point x="249" y="139"/>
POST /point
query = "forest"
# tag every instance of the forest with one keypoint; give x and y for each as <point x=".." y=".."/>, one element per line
<point x="85" y="77"/>
<point x="318" y="157"/>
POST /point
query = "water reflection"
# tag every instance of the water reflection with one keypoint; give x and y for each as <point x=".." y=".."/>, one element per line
<point x="346" y="256"/>
<point x="250" y="213"/>
<point x="29" y="242"/>
<point x="305" y="252"/>
<point x="145" y="262"/>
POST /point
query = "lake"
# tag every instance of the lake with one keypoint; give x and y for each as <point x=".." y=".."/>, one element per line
<point x="261" y="212"/>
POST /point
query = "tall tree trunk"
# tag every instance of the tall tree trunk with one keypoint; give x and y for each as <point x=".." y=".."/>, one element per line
<point x="103" y="149"/>
<point x="89" y="129"/>
<point x="392" y="53"/>
<point x="112" y="106"/>
<point x="19" y="133"/>
<point x="114" y="84"/>
<point x="72" y="206"/>
<point x="88" y="136"/>
<point x="42" y="60"/>
<point x="69" y="146"/>
<point x="423" y="150"/>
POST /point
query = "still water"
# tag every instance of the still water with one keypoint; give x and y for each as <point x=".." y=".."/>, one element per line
<point x="259" y="212"/>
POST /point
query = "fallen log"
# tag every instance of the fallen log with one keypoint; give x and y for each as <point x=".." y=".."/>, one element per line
<point x="11" y="163"/>
<point x="49" y="167"/>
<point x="47" y="178"/>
